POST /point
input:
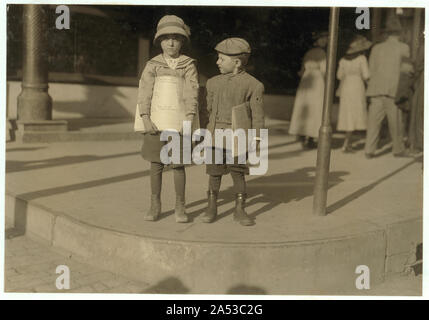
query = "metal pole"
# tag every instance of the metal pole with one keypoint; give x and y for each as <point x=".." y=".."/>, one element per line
<point x="34" y="102"/>
<point x="325" y="132"/>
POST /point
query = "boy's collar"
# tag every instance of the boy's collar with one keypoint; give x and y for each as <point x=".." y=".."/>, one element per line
<point x="231" y="74"/>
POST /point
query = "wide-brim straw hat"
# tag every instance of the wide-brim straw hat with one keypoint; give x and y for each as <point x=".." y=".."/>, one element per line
<point x="360" y="43"/>
<point x="171" y="24"/>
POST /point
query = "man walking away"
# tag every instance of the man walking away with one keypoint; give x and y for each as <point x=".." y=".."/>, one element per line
<point x="385" y="66"/>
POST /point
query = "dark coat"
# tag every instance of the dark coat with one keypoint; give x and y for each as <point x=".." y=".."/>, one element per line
<point x="225" y="91"/>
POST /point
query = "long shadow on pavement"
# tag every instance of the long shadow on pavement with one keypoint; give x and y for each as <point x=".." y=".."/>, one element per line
<point x="83" y="185"/>
<point x="341" y="203"/>
<point x="17" y="166"/>
<point x="24" y="149"/>
<point x="271" y="190"/>
<point x="20" y="210"/>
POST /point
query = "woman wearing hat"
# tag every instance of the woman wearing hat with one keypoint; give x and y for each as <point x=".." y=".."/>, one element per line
<point x="168" y="95"/>
<point x="308" y="106"/>
<point x="352" y="72"/>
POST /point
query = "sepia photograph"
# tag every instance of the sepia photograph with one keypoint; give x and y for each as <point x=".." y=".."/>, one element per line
<point x="214" y="149"/>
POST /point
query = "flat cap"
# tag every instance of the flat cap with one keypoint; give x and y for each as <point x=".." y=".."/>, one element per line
<point x="233" y="46"/>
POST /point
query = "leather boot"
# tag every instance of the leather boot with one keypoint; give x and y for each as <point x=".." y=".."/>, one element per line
<point x="155" y="208"/>
<point x="211" y="212"/>
<point x="239" y="214"/>
<point x="179" y="210"/>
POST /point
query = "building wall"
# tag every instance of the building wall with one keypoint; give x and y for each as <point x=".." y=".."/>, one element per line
<point x="94" y="101"/>
<point x="82" y="101"/>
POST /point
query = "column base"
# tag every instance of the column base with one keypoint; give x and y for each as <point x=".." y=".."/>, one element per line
<point x="29" y="130"/>
<point x="34" y="104"/>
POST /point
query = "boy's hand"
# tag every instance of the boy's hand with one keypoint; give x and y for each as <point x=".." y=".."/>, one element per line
<point x="149" y="125"/>
<point x="257" y="145"/>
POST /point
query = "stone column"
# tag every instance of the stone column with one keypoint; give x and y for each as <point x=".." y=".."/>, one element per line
<point x="415" y="41"/>
<point x="375" y="24"/>
<point x="143" y="53"/>
<point x="34" y="121"/>
<point x="34" y="102"/>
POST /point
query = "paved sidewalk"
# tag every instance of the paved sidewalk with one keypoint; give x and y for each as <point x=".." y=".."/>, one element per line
<point x="31" y="267"/>
<point x="106" y="184"/>
<point x="88" y="198"/>
<point x="400" y="285"/>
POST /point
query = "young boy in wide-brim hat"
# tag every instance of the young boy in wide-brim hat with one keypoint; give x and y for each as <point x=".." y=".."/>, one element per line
<point x="171" y="35"/>
<point x="233" y="87"/>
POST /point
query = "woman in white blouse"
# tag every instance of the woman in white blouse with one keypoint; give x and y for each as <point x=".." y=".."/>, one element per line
<point x="352" y="72"/>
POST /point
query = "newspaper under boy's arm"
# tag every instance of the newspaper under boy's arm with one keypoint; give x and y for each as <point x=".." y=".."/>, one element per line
<point x="257" y="109"/>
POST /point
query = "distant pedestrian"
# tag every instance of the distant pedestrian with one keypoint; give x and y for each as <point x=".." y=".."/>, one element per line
<point x="352" y="72"/>
<point x="308" y="106"/>
<point x="168" y="75"/>
<point x="385" y="66"/>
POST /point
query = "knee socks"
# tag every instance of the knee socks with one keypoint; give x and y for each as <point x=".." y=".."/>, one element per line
<point x="239" y="182"/>
<point x="214" y="183"/>
<point x="156" y="177"/>
<point x="179" y="181"/>
<point x="156" y="169"/>
<point x="237" y="178"/>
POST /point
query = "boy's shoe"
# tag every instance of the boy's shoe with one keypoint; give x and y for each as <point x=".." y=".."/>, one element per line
<point x="179" y="210"/>
<point x="369" y="155"/>
<point x="155" y="208"/>
<point x="239" y="214"/>
<point x="211" y="212"/>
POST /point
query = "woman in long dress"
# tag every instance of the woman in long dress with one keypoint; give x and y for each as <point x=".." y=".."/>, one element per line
<point x="308" y="106"/>
<point x="352" y="72"/>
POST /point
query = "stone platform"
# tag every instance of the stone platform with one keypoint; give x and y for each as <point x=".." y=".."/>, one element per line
<point x="73" y="130"/>
<point x="87" y="199"/>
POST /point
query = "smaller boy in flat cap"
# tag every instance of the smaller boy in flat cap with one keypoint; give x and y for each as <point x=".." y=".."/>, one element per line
<point x="233" y="87"/>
